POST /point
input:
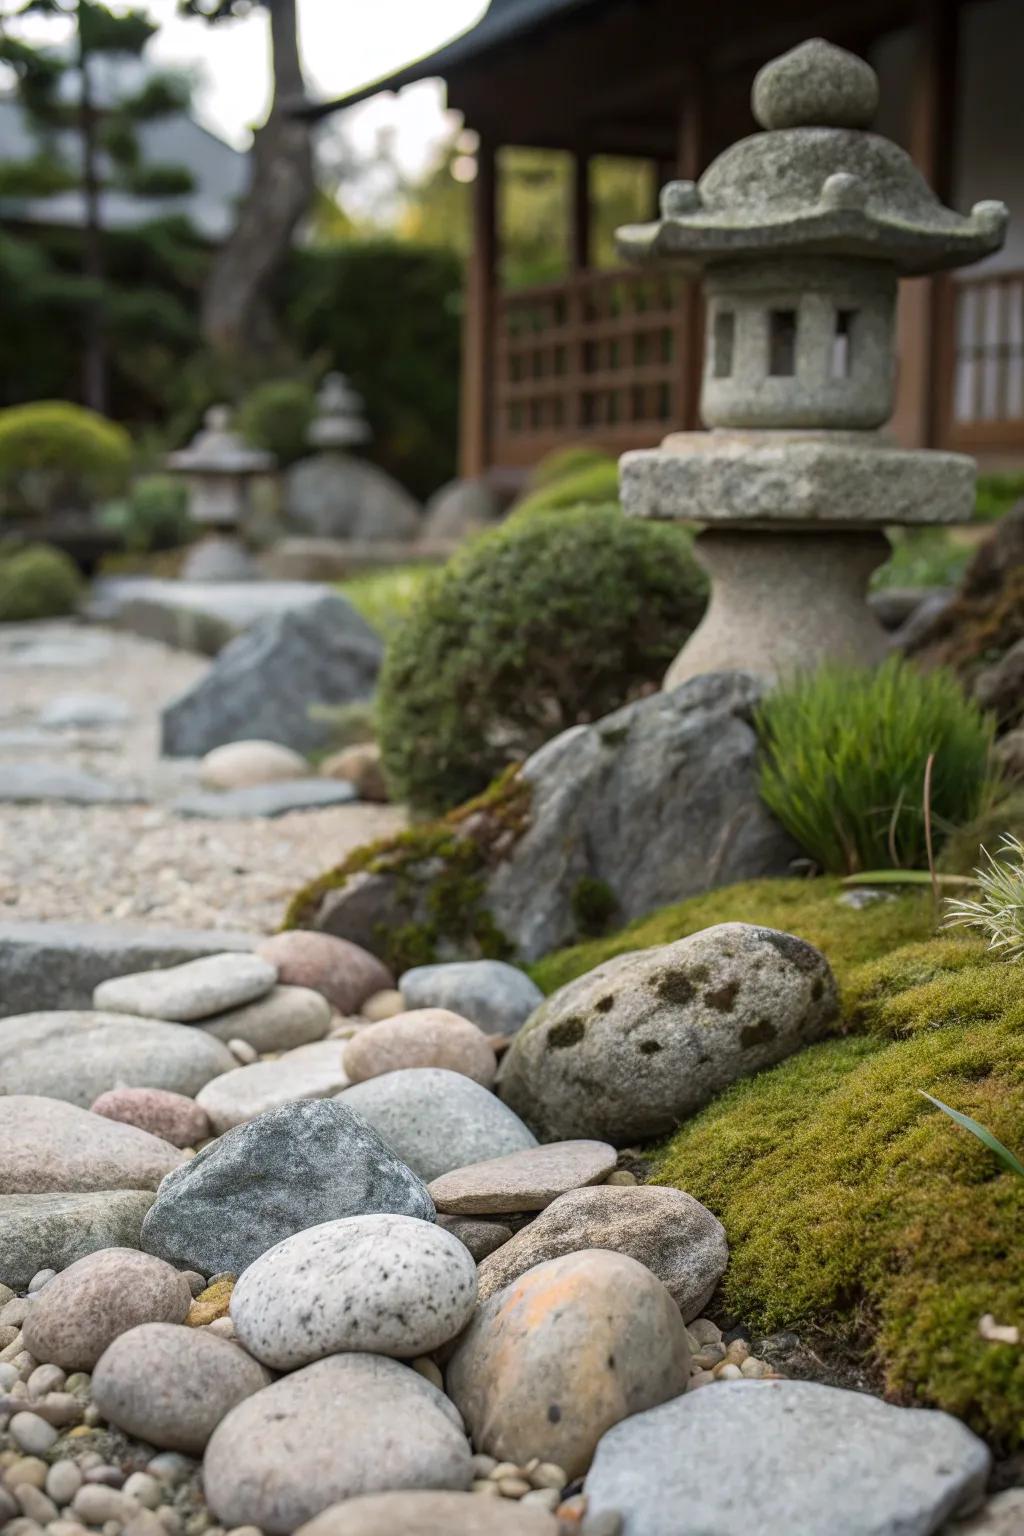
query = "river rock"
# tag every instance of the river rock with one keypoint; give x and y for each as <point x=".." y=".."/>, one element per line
<point x="424" y="1037"/>
<point x="386" y="1285"/>
<point x="188" y="992"/>
<point x="171" y="1386"/>
<point x="90" y="1303"/>
<point x="667" y="1231"/>
<point x="634" y="1047"/>
<point x="347" y="1425"/>
<point x="342" y="972"/>
<point x="84" y="711"/>
<point x="310" y="1072"/>
<point x="480" y="1237"/>
<point x="553" y="1361"/>
<point x="251" y="692"/>
<point x="523" y="1181"/>
<point x="51" y="1231"/>
<point x="79" y="1055"/>
<point x="47" y="1145"/>
<point x="263" y="800"/>
<point x="285" y="1018"/>
<point x="360" y="766"/>
<point x="814" y="1459"/>
<point x="239" y="764"/>
<point x="436" y="1120"/>
<point x="496" y="997"/>
<point x="289" y="1169"/>
<point x="171" y="1116"/>
<point x="431" y="1514"/>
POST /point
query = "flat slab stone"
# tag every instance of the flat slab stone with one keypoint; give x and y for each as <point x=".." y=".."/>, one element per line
<point x="266" y="799"/>
<point x="47" y="1145"/>
<point x="522" y="1181"/>
<point x="85" y="710"/>
<point x="285" y="1018"/>
<point x="26" y="783"/>
<point x="76" y="1056"/>
<point x="310" y="1072"/>
<point x="807" y="1458"/>
<point x="51" y="1231"/>
<point x="196" y="990"/>
<point x="431" y="1514"/>
<point x="66" y="649"/>
<point x="196" y="616"/>
<point x="59" y="965"/>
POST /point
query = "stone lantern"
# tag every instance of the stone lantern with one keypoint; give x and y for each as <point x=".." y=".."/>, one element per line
<point x="339" y="420"/>
<point x="800" y="235"/>
<point x="220" y="470"/>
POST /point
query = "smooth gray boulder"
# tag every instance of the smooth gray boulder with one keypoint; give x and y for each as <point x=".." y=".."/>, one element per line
<point x="289" y="1169"/>
<point x="263" y="684"/>
<point x="637" y="1045"/>
<point x="496" y="997"/>
<point x="265" y="799"/>
<point x="336" y="496"/>
<point x="76" y="1056"/>
<point x="59" y="965"/>
<point x="49" y="1146"/>
<point x="436" y="1120"/>
<point x="51" y="1231"/>
<point x="804" y="1457"/>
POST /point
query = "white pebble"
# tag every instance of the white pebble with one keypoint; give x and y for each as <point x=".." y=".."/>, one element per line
<point x="483" y="1465"/>
<point x="547" y="1475"/>
<point x="143" y="1487"/>
<point x="32" y="1434"/>
<point x="426" y="1368"/>
<point x="170" y="1519"/>
<point x="145" y="1523"/>
<point x="39" y="1279"/>
<point x="223" y="1327"/>
<point x="170" y="1467"/>
<point x="95" y="1505"/>
<point x="547" y="1498"/>
<point x="45" y="1378"/>
<point x="66" y="1528"/>
<point x="26" y="1469"/>
<point x="728" y="1372"/>
<point x="487" y="1488"/>
<point x="243" y="1052"/>
<point x="35" y="1504"/>
<point x="63" y="1481"/>
<point x="8" y="1376"/>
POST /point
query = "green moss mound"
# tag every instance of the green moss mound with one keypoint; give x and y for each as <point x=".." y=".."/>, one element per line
<point x="570" y="460"/>
<point x="37" y="582"/>
<point x="811" y="909"/>
<point x="52" y="451"/>
<point x="544" y="623"/>
<point x="852" y="1207"/>
<point x="577" y="482"/>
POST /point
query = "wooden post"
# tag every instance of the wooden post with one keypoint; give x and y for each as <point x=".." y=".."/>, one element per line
<point x="579" y="234"/>
<point x="478" y="333"/>
<point x="692" y="157"/>
<point x="923" y="331"/>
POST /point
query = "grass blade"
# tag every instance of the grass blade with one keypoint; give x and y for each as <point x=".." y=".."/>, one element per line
<point x="986" y="1137"/>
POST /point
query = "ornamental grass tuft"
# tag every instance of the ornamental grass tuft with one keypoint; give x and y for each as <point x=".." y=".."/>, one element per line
<point x="997" y="913"/>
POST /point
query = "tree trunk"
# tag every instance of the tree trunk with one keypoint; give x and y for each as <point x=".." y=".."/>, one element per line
<point x="94" y="359"/>
<point x="279" y="195"/>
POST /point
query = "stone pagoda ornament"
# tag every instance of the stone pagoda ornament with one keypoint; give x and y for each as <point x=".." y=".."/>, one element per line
<point x="220" y="470"/>
<point x="800" y="235"/>
<point x="339" y="421"/>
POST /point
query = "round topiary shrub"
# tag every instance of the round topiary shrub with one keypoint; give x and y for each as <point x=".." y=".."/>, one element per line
<point x="277" y="417"/>
<point x="590" y="481"/>
<point x="37" y="582"/>
<point x="55" y="454"/>
<point x="542" y="624"/>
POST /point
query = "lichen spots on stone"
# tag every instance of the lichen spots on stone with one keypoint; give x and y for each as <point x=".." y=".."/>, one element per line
<point x="554" y="1413"/>
<point x="792" y="949"/>
<point x="566" y="1032"/>
<point x="817" y="990"/>
<point x="675" y="987"/>
<point x="761" y="1033"/>
<point x="723" y="998"/>
<point x="649" y="1047"/>
<point x="604" y="1004"/>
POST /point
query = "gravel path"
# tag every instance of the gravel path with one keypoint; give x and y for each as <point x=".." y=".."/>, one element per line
<point x="140" y="862"/>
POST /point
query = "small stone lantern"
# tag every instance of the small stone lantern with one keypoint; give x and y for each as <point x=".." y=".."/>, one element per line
<point x="339" y="420"/>
<point x="220" y="470"/>
<point x="801" y="235"/>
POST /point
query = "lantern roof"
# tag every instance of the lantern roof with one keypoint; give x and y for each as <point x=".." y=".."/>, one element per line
<point x="217" y="450"/>
<point x="816" y="182"/>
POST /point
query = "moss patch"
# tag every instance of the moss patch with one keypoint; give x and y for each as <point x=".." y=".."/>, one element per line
<point x="807" y="908"/>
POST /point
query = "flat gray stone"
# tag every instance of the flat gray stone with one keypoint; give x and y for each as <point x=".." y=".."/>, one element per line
<point x="265" y="799"/>
<point x="171" y="1386"/>
<point x="51" y="1231"/>
<point x="76" y="1056"/>
<point x="48" y="1146"/>
<point x="436" y="1120"/>
<point x="384" y="1285"/>
<point x="309" y="1072"/>
<point x="26" y="783"/>
<point x="480" y="1237"/>
<point x="196" y="990"/>
<point x="84" y="709"/>
<point x="285" y="1018"/>
<point x="814" y="1459"/>
<point x="666" y="1230"/>
<point x="337" y="496"/>
<point x="289" y="1169"/>
<point x="432" y="1514"/>
<point x="347" y="1425"/>
<point x="196" y="616"/>
<point x="522" y="1181"/>
<point x="54" y="647"/>
<point x="59" y="965"/>
<point x="637" y="1045"/>
<point x="494" y="996"/>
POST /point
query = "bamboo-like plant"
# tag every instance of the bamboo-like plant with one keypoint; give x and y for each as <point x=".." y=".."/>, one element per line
<point x="998" y="910"/>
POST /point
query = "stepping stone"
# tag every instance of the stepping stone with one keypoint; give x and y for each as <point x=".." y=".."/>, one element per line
<point x="51" y="1231"/>
<point x="815" y="1460"/>
<point x="498" y="998"/>
<point x="265" y="799"/>
<point x="85" y="710"/>
<point x="311" y="1072"/>
<point x="285" y="1018"/>
<point x="47" y="1145"/>
<point x="76" y="1056"/>
<point x="185" y="993"/>
<point x="66" y="651"/>
<point x="432" y="1514"/>
<point x="27" y="783"/>
<point x="522" y="1181"/>
<point x="59" y="965"/>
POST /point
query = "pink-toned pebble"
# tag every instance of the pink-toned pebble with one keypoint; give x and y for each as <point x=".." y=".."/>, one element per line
<point x="172" y="1116"/>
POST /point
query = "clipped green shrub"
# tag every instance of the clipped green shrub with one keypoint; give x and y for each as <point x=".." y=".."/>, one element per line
<point x="276" y="417"/>
<point x="52" y="451"/>
<point x="541" y="624"/>
<point x="153" y="515"/>
<point x="844" y="753"/>
<point x="37" y="582"/>
<point x="589" y="485"/>
<point x="996" y="494"/>
<point x="562" y="462"/>
<point x="384" y="597"/>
